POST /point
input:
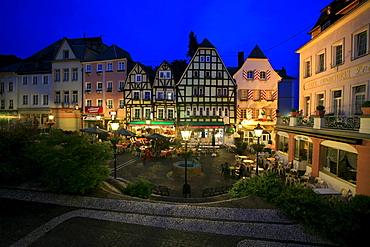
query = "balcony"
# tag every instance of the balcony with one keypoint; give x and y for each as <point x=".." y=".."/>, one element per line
<point x="341" y="126"/>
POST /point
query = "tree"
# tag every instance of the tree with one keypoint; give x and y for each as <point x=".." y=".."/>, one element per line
<point x="193" y="45"/>
<point x="70" y="163"/>
<point x="178" y="67"/>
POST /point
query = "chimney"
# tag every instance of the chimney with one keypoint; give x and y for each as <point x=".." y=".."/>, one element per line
<point x="240" y="59"/>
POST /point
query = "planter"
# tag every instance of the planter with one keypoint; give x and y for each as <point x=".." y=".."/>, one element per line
<point x="293" y="113"/>
<point x="365" y="110"/>
<point x="320" y="113"/>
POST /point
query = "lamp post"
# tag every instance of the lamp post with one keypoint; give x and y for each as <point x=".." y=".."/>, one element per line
<point x="258" y="133"/>
<point x="115" y="126"/>
<point x="186" y="136"/>
<point x="51" y="121"/>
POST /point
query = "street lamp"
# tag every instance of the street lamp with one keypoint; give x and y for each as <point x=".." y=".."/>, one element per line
<point x="115" y="126"/>
<point x="186" y="133"/>
<point x="258" y="133"/>
<point x="51" y="121"/>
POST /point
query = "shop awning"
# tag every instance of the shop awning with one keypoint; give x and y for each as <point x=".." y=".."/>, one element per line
<point x="153" y="123"/>
<point x="205" y="125"/>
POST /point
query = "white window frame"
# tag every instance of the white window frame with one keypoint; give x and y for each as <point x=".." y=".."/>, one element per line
<point x="121" y="85"/>
<point x="99" y="86"/>
<point x="334" y="61"/>
<point x="99" y="67"/>
<point x="160" y="95"/>
<point x="45" y="79"/>
<point x="160" y="113"/>
<point x="88" y="68"/>
<point x="75" y="96"/>
<point x="109" y="67"/>
<point x="250" y="74"/>
<point x="121" y="103"/>
<point x="24" y="99"/>
<point x="99" y="102"/>
<point x="307" y="67"/>
<point x="146" y="93"/>
<point x="35" y="99"/>
<point x="88" y="102"/>
<point x="34" y="80"/>
<point x="45" y="99"/>
<point x="24" y="80"/>
<point x="320" y="65"/>
<point x="357" y="107"/>
<point x="74" y="74"/>
<point x="138" y="78"/>
<point x="208" y="59"/>
<point x="262" y="75"/>
<point x="170" y="95"/>
<point x="134" y="93"/>
<point x="109" y="104"/>
<point x="337" y="102"/>
<point x="109" y="86"/>
<point x="355" y="35"/>
<point x="121" y="66"/>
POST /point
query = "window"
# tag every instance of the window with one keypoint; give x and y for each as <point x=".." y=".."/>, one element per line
<point x="283" y="143"/>
<point x="2" y="87"/>
<point x="208" y="74"/>
<point x="138" y="78"/>
<point x="74" y="74"/>
<point x="337" y="51"/>
<point x="213" y="111"/>
<point x="109" y="67"/>
<point x="160" y="95"/>
<point x="57" y="75"/>
<point x="34" y="80"/>
<point x="74" y="96"/>
<point x="250" y="74"/>
<point x="320" y="62"/>
<point x="109" y="86"/>
<point x="256" y="95"/>
<point x="202" y="58"/>
<point x="219" y="91"/>
<point x="307" y="105"/>
<point x="45" y="99"/>
<point x="165" y="74"/>
<point x="121" y="66"/>
<point x="24" y="99"/>
<point x="10" y="86"/>
<point x="359" y="98"/>
<point x="57" y="97"/>
<point x="11" y="104"/>
<point x="337" y="102"/>
<point x="195" y="91"/>
<point x="201" y="111"/>
<point x="110" y="104"/>
<point x="121" y="104"/>
<point x="201" y="91"/>
<point x="226" y="112"/>
<point x="208" y="59"/>
<point x="220" y="111"/>
<point x="307" y="68"/>
<point x="2" y="104"/>
<point x="263" y="75"/>
<point x="207" y="112"/>
<point x="88" y="68"/>
<point x="88" y="102"/>
<point x="146" y="95"/>
<point x="45" y="79"/>
<point x="160" y="113"/>
<point x="66" y="96"/>
<point x="243" y="94"/>
<point x="137" y="113"/>
<point x="99" y="67"/>
<point x="170" y="96"/>
<point x="170" y="114"/>
<point x="65" y="74"/>
<point x="320" y="99"/>
<point x="147" y="113"/>
<point x="66" y="54"/>
<point x="24" y="80"/>
<point x="195" y="73"/>
<point x="361" y="43"/>
<point x="226" y="93"/>
<point x="136" y="96"/>
<point x="340" y="163"/>
<point x="99" y="86"/>
<point x="243" y="113"/>
<point x="121" y="86"/>
<point x="219" y="74"/>
<point x="99" y="102"/>
<point x="35" y="99"/>
<point x="88" y="86"/>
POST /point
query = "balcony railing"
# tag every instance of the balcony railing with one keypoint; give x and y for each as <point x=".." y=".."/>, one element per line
<point x="339" y="122"/>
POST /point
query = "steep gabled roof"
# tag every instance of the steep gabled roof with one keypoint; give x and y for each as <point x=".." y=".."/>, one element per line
<point x="11" y="68"/>
<point x="206" y="44"/>
<point x="257" y="53"/>
<point x="114" y="52"/>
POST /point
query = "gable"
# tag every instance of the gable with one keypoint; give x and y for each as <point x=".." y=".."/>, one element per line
<point x="65" y="51"/>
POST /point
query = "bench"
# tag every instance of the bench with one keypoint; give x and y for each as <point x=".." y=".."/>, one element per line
<point x="160" y="190"/>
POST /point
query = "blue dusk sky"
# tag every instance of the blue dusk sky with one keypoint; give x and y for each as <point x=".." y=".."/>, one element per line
<point x="153" y="31"/>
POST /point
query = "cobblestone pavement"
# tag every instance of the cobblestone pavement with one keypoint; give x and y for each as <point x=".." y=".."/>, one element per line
<point x="30" y="218"/>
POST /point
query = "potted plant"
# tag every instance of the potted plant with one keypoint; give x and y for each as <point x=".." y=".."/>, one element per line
<point x="320" y="110"/>
<point x="293" y="112"/>
<point x="366" y="108"/>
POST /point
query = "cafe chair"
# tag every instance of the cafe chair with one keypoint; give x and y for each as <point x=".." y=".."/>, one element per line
<point x="346" y="194"/>
<point x="321" y="184"/>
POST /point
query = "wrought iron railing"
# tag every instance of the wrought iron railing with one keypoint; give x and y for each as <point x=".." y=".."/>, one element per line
<point x="305" y="121"/>
<point x="283" y="120"/>
<point x="345" y="122"/>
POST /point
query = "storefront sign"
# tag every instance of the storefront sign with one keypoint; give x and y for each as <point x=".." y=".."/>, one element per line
<point x="94" y="109"/>
<point x="346" y="74"/>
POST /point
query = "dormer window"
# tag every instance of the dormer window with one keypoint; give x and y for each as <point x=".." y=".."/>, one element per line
<point x="66" y="54"/>
<point x="138" y="78"/>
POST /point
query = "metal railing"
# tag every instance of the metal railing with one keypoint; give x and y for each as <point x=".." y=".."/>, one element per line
<point x="345" y="122"/>
<point x="305" y="121"/>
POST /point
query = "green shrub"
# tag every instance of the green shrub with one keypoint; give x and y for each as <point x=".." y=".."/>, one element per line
<point x="139" y="188"/>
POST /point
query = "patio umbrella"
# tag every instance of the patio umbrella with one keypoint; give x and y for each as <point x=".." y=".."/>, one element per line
<point x="125" y="132"/>
<point x="94" y="130"/>
<point x="156" y="136"/>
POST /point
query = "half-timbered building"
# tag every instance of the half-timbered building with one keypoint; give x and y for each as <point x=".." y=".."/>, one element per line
<point x="164" y="100"/>
<point x="257" y="99"/>
<point x="138" y="98"/>
<point x="206" y="95"/>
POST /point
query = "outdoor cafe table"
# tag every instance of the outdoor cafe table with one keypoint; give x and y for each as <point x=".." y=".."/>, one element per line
<point x="326" y="191"/>
<point x="248" y="161"/>
<point x="271" y="159"/>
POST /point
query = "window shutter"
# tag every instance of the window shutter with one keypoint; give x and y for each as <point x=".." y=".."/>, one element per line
<point x="250" y="94"/>
<point x="256" y="74"/>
